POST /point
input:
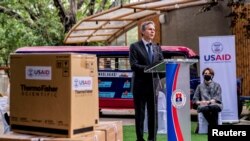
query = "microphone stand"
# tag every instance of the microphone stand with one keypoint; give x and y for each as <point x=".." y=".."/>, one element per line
<point x="155" y="106"/>
<point x="155" y="95"/>
<point x="156" y="82"/>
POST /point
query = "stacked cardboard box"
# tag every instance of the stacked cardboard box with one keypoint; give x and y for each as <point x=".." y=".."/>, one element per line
<point x="11" y="136"/>
<point x="113" y="130"/>
<point x="104" y="131"/>
<point x="88" y="136"/>
<point x="54" y="97"/>
<point x="54" y="94"/>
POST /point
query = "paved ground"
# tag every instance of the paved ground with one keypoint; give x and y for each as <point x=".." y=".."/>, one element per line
<point x="127" y="116"/>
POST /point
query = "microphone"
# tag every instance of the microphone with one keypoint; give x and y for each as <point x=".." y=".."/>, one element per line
<point x="159" y="53"/>
<point x="160" y="58"/>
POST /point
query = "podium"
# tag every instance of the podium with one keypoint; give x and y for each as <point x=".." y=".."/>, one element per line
<point x="177" y="85"/>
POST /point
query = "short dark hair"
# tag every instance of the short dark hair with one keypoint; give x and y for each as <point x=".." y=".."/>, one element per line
<point x="211" y="71"/>
<point x="144" y="24"/>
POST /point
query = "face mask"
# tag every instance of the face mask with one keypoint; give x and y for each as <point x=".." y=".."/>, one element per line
<point x="207" y="77"/>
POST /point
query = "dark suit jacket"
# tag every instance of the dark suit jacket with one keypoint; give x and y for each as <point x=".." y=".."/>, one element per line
<point x="139" y="61"/>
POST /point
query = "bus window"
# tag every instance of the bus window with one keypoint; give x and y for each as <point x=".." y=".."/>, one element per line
<point x="123" y="64"/>
<point x="107" y="63"/>
<point x="100" y="63"/>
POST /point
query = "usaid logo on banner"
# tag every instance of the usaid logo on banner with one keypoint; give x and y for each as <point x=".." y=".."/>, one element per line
<point x="38" y="73"/>
<point x="217" y="54"/>
<point x="178" y="99"/>
<point x="217" y="47"/>
<point x="82" y="83"/>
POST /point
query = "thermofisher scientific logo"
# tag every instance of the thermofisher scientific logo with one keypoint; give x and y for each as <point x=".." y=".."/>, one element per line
<point x="82" y="83"/>
<point x="178" y="99"/>
<point x="38" y="73"/>
<point x="217" y="54"/>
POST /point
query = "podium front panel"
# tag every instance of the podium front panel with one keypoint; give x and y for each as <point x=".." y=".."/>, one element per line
<point x="178" y="101"/>
<point x="177" y="72"/>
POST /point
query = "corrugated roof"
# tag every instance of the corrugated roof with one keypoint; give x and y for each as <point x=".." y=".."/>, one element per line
<point x="110" y="24"/>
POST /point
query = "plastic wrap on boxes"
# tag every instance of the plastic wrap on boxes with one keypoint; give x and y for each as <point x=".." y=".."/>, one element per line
<point x="4" y="109"/>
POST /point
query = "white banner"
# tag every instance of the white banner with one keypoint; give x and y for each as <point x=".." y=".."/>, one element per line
<point x="218" y="53"/>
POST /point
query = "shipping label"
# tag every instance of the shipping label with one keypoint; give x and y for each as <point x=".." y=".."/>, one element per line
<point x="82" y="83"/>
<point x="38" y="72"/>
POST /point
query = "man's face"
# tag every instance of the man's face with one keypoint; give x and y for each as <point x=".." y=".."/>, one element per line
<point x="149" y="32"/>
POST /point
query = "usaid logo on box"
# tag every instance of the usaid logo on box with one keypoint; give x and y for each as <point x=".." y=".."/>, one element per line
<point x="82" y="83"/>
<point x="38" y="73"/>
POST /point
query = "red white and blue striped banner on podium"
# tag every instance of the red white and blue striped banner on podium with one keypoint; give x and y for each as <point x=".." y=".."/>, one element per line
<point x="178" y="100"/>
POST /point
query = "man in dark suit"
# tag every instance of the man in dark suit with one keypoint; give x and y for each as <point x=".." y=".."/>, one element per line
<point x="142" y="54"/>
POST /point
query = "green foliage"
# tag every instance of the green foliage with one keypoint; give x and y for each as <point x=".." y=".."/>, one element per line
<point x="37" y="24"/>
<point x="247" y="104"/>
<point x="99" y="6"/>
<point x="96" y="44"/>
<point x="237" y="15"/>
<point x="132" y="35"/>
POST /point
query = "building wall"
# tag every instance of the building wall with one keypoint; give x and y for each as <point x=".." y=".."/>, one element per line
<point x="155" y="19"/>
<point x="185" y="26"/>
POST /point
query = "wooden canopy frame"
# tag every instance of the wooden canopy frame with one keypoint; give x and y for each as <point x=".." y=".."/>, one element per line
<point x="108" y="25"/>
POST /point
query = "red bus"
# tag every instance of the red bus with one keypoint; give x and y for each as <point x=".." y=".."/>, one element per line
<point x="114" y="69"/>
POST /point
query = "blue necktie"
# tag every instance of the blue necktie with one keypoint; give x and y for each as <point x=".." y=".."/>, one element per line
<point x="149" y="52"/>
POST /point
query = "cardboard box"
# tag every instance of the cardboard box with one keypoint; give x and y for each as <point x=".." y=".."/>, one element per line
<point x="54" y="94"/>
<point x="18" y="137"/>
<point x="99" y="135"/>
<point x="92" y="136"/>
<point x="113" y="130"/>
<point x="88" y="136"/>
